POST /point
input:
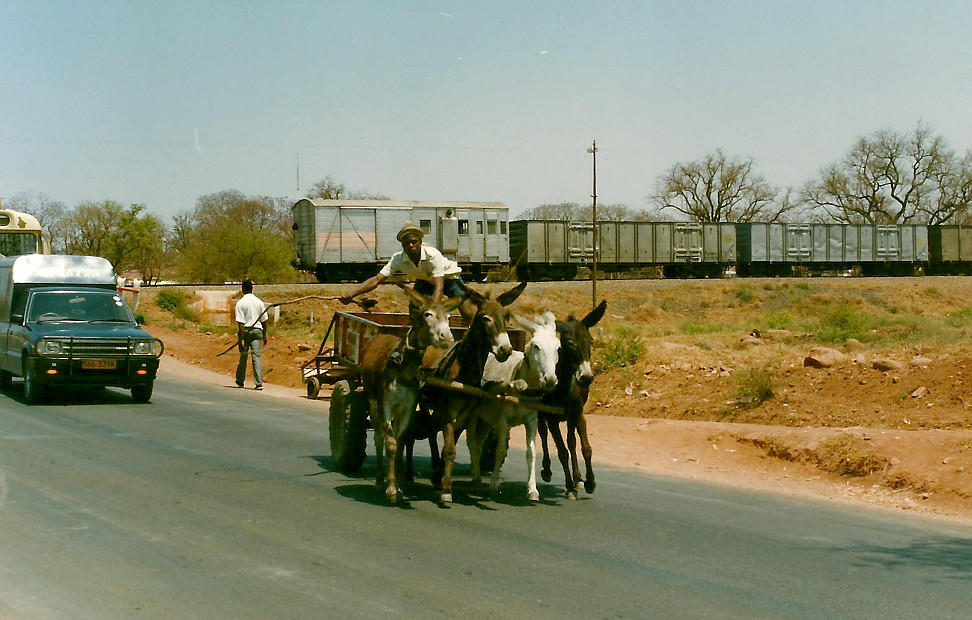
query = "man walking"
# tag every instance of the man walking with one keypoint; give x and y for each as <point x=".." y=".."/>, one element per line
<point x="251" y="322"/>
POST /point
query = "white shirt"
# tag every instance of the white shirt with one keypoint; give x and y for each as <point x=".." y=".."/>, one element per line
<point x="250" y="310"/>
<point x="432" y="264"/>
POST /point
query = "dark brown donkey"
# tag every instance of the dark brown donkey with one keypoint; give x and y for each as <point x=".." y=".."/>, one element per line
<point x="389" y="374"/>
<point x="464" y="364"/>
<point x="574" y="378"/>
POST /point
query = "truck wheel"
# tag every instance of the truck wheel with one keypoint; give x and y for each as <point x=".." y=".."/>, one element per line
<point x="313" y="387"/>
<point x="5" y="376"/>
<point x="32" y="390"/>
<point x="142" y="393"/>
<point x="347" y="429"/>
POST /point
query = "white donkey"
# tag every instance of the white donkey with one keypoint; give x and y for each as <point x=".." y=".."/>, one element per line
<point x="526" y="375"/>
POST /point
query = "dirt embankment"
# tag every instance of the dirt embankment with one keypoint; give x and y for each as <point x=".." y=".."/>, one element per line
<point x="898" y="437"/>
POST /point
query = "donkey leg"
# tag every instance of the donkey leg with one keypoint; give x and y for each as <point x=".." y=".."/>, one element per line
<point x="502" y="433"/>
<point x="379" y="426"/>
<point x="572" y="448"/>
<point x="545" y="472"/>
<point x="448" y="458"/>
<point x="586" y="450"/>
<point x="530" y="426"/>
<point x="391" y="450"/>
<point x="564" y="458"/>
<point x="474" y="442"/>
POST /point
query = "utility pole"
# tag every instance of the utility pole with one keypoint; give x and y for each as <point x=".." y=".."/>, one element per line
<point x="593" y="151"/>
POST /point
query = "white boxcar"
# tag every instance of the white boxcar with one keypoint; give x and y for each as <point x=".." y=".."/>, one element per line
<point x="350" y="239"/>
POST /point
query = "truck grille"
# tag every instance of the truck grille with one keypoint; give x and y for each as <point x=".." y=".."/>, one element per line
<point x="95" y="347"/>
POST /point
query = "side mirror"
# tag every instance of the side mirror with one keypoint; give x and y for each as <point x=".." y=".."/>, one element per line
<point x="17" y="319"/>
<point x="139" y="319"/>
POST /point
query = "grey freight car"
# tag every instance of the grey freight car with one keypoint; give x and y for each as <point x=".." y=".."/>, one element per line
<point x="775" y="249"/>
<point x="542" y="249"/>
<point x="350" y="239"/>
<point x="950" y="247"/>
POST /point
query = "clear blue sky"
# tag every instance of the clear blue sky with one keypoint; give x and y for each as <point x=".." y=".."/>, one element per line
<point x="160" y="103"/>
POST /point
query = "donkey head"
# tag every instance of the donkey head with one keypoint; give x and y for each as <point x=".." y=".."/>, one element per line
<point x="491" y="318"/>
<point x="541" y="354"/>
<point x="575" y="339"/>
<point x="430" y="321"/>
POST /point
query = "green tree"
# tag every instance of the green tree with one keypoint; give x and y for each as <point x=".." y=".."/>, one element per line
<point x="719" y="188"/>
<point x="129" y="238"/>
<point x="230" y="236"/>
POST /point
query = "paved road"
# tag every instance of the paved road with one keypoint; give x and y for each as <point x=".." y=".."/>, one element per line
<point x="213" y="502"/>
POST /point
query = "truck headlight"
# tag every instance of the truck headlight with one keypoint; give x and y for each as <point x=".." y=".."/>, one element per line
<point x="48" y="347"/>
<point x="146" y="347"/>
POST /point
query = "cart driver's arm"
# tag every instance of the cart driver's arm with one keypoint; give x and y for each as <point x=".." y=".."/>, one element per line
<point x="439" y="282"/>
<point x="368" y="285"/>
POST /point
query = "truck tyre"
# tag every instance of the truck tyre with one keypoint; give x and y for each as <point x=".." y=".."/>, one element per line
<point x="32" y="390"/>
<point x="5" y="377"/>
<point x="347" y="428"/>
<point x="142" y="393"/>
<point x="313" y="387"/>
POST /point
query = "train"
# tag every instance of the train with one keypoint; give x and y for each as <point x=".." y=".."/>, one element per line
<point x="349" y="240"/>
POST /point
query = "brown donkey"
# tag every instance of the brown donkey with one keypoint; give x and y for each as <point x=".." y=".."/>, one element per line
<point x="389" y="374"/>
<point x="464" y="363"/>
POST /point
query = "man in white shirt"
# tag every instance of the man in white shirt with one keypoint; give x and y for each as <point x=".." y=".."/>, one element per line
<point x="251" y="322"/>
<point x="433" y="273"/>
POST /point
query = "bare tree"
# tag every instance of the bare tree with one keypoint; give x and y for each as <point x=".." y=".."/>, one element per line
<point x="330" y="189"/>
<point x="891" y="178"/>
<point x="718" y="189"/>
<point x="52" y="215"/>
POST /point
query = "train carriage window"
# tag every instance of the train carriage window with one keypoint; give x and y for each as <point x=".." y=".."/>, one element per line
<point x="463" y="227"/>
<point x="490" y="227"/>
<point x="479" y="227"/>
<point x="426" y="226"/>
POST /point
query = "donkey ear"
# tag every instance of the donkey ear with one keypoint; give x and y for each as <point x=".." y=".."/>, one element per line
<point x="524" y="322"/>
<point x="595" y="315"/>
<point x="451" y="304"/>
<point x="510" y="296"/>
<point x="419" y="298"/>
<point x="473" y="296"/>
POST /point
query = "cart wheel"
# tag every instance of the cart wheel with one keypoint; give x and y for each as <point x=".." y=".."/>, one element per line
<point x="313" y="387"/>
<point x="347" y="428"/>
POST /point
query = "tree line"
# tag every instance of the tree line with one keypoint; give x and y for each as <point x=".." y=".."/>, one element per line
<point x="886" y="177"/>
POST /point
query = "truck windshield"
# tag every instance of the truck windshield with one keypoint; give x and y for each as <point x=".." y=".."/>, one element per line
<point x="74" y="306"/>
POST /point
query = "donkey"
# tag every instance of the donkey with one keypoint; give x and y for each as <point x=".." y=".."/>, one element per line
<point x="574" y="378"/>
<point x="527" y="374"/>
<point x="389" y="374"/>
<point x="464" y="363"/>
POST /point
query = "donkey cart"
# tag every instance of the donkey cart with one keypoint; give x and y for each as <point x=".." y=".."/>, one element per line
<point x="338" y="364"/>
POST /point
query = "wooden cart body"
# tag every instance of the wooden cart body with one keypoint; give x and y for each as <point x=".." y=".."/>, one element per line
<point x="338" y="364"/>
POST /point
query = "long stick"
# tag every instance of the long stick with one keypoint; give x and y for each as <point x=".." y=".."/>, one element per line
<point x="455" y="386"/>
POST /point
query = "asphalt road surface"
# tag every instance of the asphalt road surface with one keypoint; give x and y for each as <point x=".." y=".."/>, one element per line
<point x="213" y="502"/>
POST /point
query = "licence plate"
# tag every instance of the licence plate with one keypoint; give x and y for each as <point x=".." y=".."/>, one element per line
<point x="99" y="364"/>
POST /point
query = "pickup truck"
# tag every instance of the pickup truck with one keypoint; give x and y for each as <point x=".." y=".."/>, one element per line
<point x="63" y="323"/>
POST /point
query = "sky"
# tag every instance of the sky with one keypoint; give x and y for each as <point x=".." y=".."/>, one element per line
<point x="161" y="103"/>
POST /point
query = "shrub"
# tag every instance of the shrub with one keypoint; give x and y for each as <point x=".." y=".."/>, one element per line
<point x="175" y="301"/>
<point x="754" y="386"/>
<point x="621" y="349"/>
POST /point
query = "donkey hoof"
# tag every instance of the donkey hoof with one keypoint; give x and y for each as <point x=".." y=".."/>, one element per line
<point x="446" y="499"/>
<point x="589" y="486"/>
<point x="533" y="496"/>
<point x="571" y="495"/>
<point x="546" y="475"/>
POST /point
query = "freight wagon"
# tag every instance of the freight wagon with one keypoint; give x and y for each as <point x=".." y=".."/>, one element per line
<point x="341" y="240"/>
<point x="545" y="249"/>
